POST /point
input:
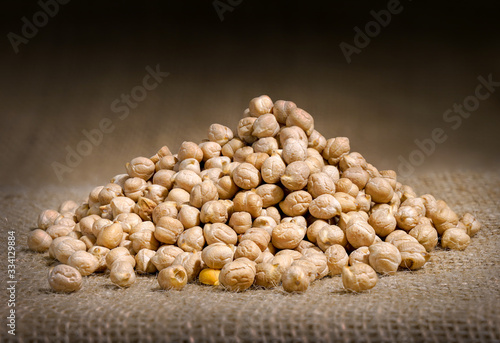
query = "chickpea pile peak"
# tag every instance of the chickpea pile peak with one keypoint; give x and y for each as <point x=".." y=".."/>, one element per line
<point x="272" y="203"/>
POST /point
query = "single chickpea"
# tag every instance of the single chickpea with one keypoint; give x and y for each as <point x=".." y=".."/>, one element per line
<point x="265" y="257"/>
<point x="84" y="262"/>
<point x="336" y="258"/>
<point x="384" y="257"/>
<point x="122" y="274"/>
<point x="217" y="255"/>
<point x="267" y="275"/>
<point x="141" y="167"/>
<point x="248" y="249"/>
<point x="189" y="216"/>
<point x="383" y="221"/>
<point x="294" y="132"/>
<point x="314" y="228"/>
<point x="359" y="277"/>
<point x="399" y="236"/>
<point x="219" y="134"/>
<point x="192" y="239"/>
<point x="226" y="187"/>
<point x="273" y="213"/>
<point x="413" y="255"/>
<point x="282" y="109"/>
<point x="332" y="172"/>
<point x="296" y="203"/>
<point x="134" y="188"/>
<point x="144" y="208"/>
<point x="360" y="255"/>
<point x="299" y="117"/>
<point x="379" y="189"/>
<point x="271" y="194"/>
<point x="245" y="128"/>
<point x="260" y="105"/>
<point x="352" y="159"/>
<point x="360" y="234"/>
<point x="267" y="145"/>
<point x="336" y="148"/>
<point x="230" y="147"/>
<point x="345" y="185"/>
<point x="121" y="205"/>
<point x="144" y="239"/>
<point x="426" y="235"/>
<point x="240" y="222"/>
<point x="165" y="209"/>
<point x="471" y="224"/>
<point x="63" y="278"/>
<point x="273" y="169"/>
<point x="308" y="266"/>
<point x="347" y="219"/>
<point x="325" y="206"/>
<point x="315" y="162"/>
<point x="156" y="193"/>
<point x="241" y="154"/>
<point x="39" y="240"/>
<point x="209" y="276"/>
<point x="299" y="220"/>
<point x="265" y="126"/>
<point x="100" y="254"/>
<point x="319" y="259"/>
<point x="55" y="230"/>
<point x="143" y="261"/>
<point x="165" y="256"/>
<point x="173" y="278"/>
<point x="347" y="202"/>
<point x="186" y="179"/>
<point x="82" y="211"/>
<point x="63" y="249"/>
<point x="237" y="276"/>
<point x="166" y="163"/>
<point x="119" y="253"/>
<point x="257" y="235"/>
<point x="248" y="201"/>
<point x="110" y="236"/>
<point x="317" y="141"/>
<point x="293" y="151"/>
<point x="190" y="150"/>
<point x="246" y="176"/>
<point x="330" y="235"/>
<point x="210" y="149"/>
<point x="256" y="159"/>
<point x="287" y="236"/>
<point x="179" y="196"/>
<point x="219" y="232"/>
<point x="391" y="176"/>
<point x="455" y="238"/>
<point x="320" y="183"/>
<point x="94" y="195"/>
<point x="266" y="223"/>
<point x="212" y="174"/>
<point x="407" y="217"/>
<point x="295" y="279"/>
<point x="444" y="218"/>
<point x="168" y="230"/>
<point x="128" y="221"/>
<point x="213" y="211"/>
<point x="203" y="192"/>
<point x="192" y="263"/>
<point x="296" y="176"/>
<point x="47" y="218"/>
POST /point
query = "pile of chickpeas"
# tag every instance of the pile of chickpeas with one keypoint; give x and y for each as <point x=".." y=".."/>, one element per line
<point x="274" y="203"/>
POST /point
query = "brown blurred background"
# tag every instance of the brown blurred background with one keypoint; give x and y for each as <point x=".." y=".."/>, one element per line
<point x="396" y="90"/>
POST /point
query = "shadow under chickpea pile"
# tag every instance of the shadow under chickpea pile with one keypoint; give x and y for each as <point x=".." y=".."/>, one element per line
<point x="275" y="203"/>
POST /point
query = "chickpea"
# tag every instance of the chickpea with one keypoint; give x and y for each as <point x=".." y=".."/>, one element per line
<point x="144" y="239"/>
<point x="273" y="169"/>
<point x="360" y="255"/>
<point x="122" y="274"/>
<point x="230" y="147"/>
<point x="245" y="128"/>
<point x="270" y="194"/>
<point x="63" y="278"/>
<point x="260" y="105"/>
<point x="282" y="109"/>
<point x="248" y="201"/>
<point x="134" y="188"/>
<point x="219" y="232"/>
<point x="360" y="234"/>
<point x="168" y="230"/>
<point x="84" y="262"/>
<point x="143" y="261"/>
<point x="213" y="212"/>
<point x="299" y="117"/>
<point x="325" y="206"/>
<point x="335" y="148"/>
<point x="47" y="218"/>
<point x="293" y="132"/>
<point x="317" y="141"/>
<point x="141" y="167"/>
<point x="165" y="256"/>
<point x="384" y="257"/>
<point x="217" y="255"/>
<point x="319" y="259"/>
<point x="267" y="275"/>
<point x="413" y="255"/>
<point x="190" y="150"/>
<point x="248" y="249"/>
<point x="295" y="279"/>
<point x="359" y="277"/>
<point x="256" y="159"/>
<point x="353" y="159"/>
<point x="257" y="235"/>
<point x="266" y="125"/>
<point x="166" y="163"/>
<point x="296" y="203"/>
<point x="383" y="221"/>
<point x="63" y="249"/>
<point x="267" y="145"/>
<point x="192" y="239"/>
<point x="345" y="185"/>
<point x="203" y="192"/>
<point x="320" y="183"/>
<point x="347" y="202"/>
<point x="296" y="176"/>
<point x="426" y="235"/>
<point x="455" y="238"/>
<point x="173" y="278"/>
<point x="407" y="217"/>
<point x="379" y="189"/>
<point x="314" y="228"/>
<point x="119" y="253"/>
<point x="287" y="236"/>
<point x="39" y="240"/>
<point x="240" y="222"/>
<point x="219" y="134"/>
<point x="209" y="276"/>
<point x="330" y="235"/>
<point x="471" y="224"/>
<point x="293" y="151"/>
<point x="246" y="176"/>
<point x="100" y="254"/>
<point x="189" y="216"/>
<point x="192" y="263"/>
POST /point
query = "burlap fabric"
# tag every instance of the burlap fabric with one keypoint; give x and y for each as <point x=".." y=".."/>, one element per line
<point x="454" y="298"/>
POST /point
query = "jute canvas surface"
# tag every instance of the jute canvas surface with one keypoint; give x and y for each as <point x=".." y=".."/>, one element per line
<point x="454" y="298"/>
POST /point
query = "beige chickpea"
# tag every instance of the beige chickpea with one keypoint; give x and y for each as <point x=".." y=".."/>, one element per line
<point x="82" y="211"/>
<point x="128" y="221"/>
<point x="84" y="262"/>
<point x="399" y="236"/>
<point x="347" y="219"/>
<point x="455" y="238"/>
<point x="245" y="128"/>
<point x="266" y="223"/>
<point x="444" y="218"/>
<point x="144" y="239"/>
<point x="248" y="249"/>
<point x="407" y="217"/>
<point x="164" y="178"/>
<point x="259" y="236"/>
<point x="144" y="208"/>
<point x="391" y="176"/>
<point x="230" y="147"/>
<point x="293" y="132"/>
<point x="309" y="268"/>
<point x="219" y="233"/>
<point x="426" y="235"/>
<point x="364" y="201"/>
<point x="299" y="117"/>
<point x="68" y="206"/>
<point x="256" y="159"/>
<point x="260" y="105"/>
<point x="156" y="193"/>
<point x="273" y="213"/>
<point x="267" y="275"/>
<point x="320" y="183"/>
<point x="110" y="236"/>
<point x="64" y="221"/>
<point x="240" y="222"/>
<point x="330" y="235"/>
<point x="293" y="151"/>
<point x="121" y="205"/>
<point x="345" y="185"/>
<point x="352" y="159"/>
<point x="296" y="176"/>
<point x="119" y="253"/>
<point x="163" y="151"/>
<point x="134" y="188"/>
<point x="384" y="257"/>
<point x="271" y="194"/>
<point x="75" y="234"/>
<point x="360" y="255"/>
<point x="248" y="201"/>
<point x="265" y="126"/>
<point x="166" y="163"/>
<point x="202" y="193"/>
<point x="295" y="279"/>
<point x="319" y="259"/>
<point x="219" y="134"/>
<point x="213" y="211"/>
<point x="179" y="196"/>
<point x="359" y="277"/>
<point x="325" y="206"/>
<point x="55" y="230"/>
<point x="209" y="276"/>
<point x="189" y="216"/>
<point x="94" y="195"/>
<point x="287" y="235"/>
<point x="347" y="202"/>
<point x="65" y="248"/>
<point x="192" y="263"/>
<point x="190" y="150"/>
<point x="165" y="209"/>
<point x="210" y="149"/>
<point x="382" y="221"/>
<point x="141" y="167"/>
<point x="165" y="256"/>
<point x="296" y="203"/>
<point x="168" y="230"/>
<point x="429" y="203"/>
<point x="100" y="254"/>
<point x="246" y="176"/>
<point x="357" y="175"/>
<point x="471" y="224"/>
<point x="360" y="234"/>
<point x="143" y="261"/>
<point x="122" y="274"/>
<point x="217" y="255"/>
<point x="379" y="189"/>
<point x="417" y="203"/>
<point x="265" y="257"/>
<point x="298" y="220"/>
<point x="190" y="164"/>
<point x="371" y="170"/>
<point x="55" y="242"/>
<point x="212" y="174"/>
<point x="64" y="278"/>
<point x="282" y="109"/>
<point x="317" y="141"/>
<point x="314" y="162"/>
<point x="273" y="169"/>
<point x="267" y="145"/>
<point x="173" y="278"/>
<point x="413" y="255"/>
<point x="314" y="228"/>
<point x="335" y="148"/>
<point x="120" y="179"/>
<point x="226" y="188"/>
<point x="332" y="172"/>
<point x="241" y="154"/>
<point x="47" y="218"/>
<point x="186" y="179"/>
<point x="407" y="193"/>
<point x="283" y="261"/>
<point x="191" y="239"/>
<point x="237" y="276"/>
<point x="39" y="240"/>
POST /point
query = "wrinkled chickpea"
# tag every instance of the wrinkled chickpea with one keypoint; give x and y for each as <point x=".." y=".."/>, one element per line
<point x="314" y="228"/>
<point x="230" y="147"/>
<point x="219" y="233"/>
<point x="165" y="256"/>
<point x="144" y="239"/>
<point x="179" y="196"/>
<point x="141" y="167"/>
<point x="325" y="206"/>
<point x="426" y="235"/>
<point x="63" y="249"/>
<point x="267" y="145"/>
<point x="360" y="234"/>
<point x="246" y="176"/>
<point x="237" y="276"/>
<point x="122" y="274"/>
<point x="84" y="262"/>
<point x="455" y="238"/>
<point x="345" y="185"/>
<point x="266" y="125"/>
<point x="248" y="201"/>
<point x="413" y="255"/>
<point x="471" y="224"/>
<point x="273" y="169"/>
<point x="143" y="261"/>
<point x="64" y="278"/>
<point x="282" y="110"/>
<point x="287" y="235"/>
<point x="296" y="176"/>
<point x="39" y="240"/>
<point x="336" y="148"/>
<point x="257" y="235"/>
<point x="384" y="257"/>
<point x="47" y="218"/>
<point x="330" y="235"/>
<point x="293" y="151"/>
<point x="295" y="279"/>
<point x="190" y="150"/>
<point x="296" y="203"/>
<point x="219" y="134"/>
<point x="267" y="275"/>
<point x="217" y="255"/>
<point x="379" y="189"/>
<point x="359" y="277"/>
<point x="383" y="221"/>
<point x="260" y="105"/>
<point x="320" y="183"/>
<point x="360" y="255"/>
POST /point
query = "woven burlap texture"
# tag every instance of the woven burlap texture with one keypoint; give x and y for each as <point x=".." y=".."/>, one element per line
<point x="454" y="298"/>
